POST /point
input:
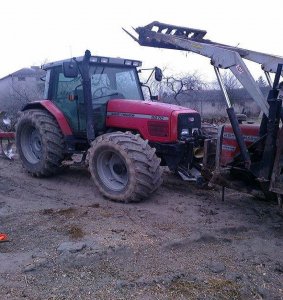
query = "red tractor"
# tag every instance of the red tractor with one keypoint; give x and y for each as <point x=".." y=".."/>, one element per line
<point x="94" y="106"/>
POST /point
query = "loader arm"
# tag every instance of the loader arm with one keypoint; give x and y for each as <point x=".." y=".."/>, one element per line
<point x="268" y="62"/>
<point x="161" y="35"/>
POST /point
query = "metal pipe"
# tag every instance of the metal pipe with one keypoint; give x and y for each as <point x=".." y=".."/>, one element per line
<point x="239" y="136"/>
<point x="88" y="97"/>
<point x="268" y="78"/>
<point x="222" y="86"/>
<point x="234" y="122"/>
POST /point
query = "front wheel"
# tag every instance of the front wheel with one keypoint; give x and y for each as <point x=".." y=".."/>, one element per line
<point x="124" y="167"/>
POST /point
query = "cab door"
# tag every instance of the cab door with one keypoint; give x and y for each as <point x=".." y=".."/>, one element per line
<point x="67" y="94"/>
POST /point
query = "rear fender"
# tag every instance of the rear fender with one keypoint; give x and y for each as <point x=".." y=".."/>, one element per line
<point x="54" y="111"/>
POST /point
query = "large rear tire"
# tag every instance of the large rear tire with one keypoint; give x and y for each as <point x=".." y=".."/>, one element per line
<point x="124" y="167"/>
<point x="39" y="142"/>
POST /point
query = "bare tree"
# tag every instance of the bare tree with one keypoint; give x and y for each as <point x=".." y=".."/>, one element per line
<point x="261" y="82"/>
<point x="23" y="93"/>
<point x="156" y="87"/>
<point x="183" y="84"/>
<point x="231" y="84"/>
<point x="229" y="80"/>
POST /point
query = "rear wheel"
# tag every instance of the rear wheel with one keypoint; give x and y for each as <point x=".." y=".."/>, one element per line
<point x="39" y="142"/>
<point x="124" y="167"/>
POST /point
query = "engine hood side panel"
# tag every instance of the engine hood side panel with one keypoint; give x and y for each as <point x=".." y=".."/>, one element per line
<point x="139" y="116"/>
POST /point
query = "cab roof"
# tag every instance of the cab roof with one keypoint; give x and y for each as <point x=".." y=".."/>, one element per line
<point x="96" y="60"/>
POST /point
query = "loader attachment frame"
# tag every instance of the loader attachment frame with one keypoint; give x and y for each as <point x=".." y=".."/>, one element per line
<point x="266" y="172"/>
<point x="162" y="35"/>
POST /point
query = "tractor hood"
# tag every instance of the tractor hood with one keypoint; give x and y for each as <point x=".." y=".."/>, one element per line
<point x="144" y="107"/>
<point x="154" y="121"/>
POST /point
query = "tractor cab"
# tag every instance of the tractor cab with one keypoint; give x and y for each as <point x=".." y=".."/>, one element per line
<point x="69" y="84"/>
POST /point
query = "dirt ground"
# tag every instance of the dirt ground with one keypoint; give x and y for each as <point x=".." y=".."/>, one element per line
<point x="68" y="242"/>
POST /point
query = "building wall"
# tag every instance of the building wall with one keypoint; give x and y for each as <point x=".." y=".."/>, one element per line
<point x="5" y="92"/>
<point x="218" y="108"/>
<point x="211" y="103"/>
<point x="19" y="88"/>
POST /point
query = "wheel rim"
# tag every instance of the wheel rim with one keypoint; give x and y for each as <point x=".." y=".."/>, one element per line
<point x="31" y="144"/>
<point x="112" y="170"/>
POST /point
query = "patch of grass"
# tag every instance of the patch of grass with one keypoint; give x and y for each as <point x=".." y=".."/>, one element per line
<point x="48" y="211"/>
<point x="75" y="232"/>
<point x="219" y="289"/>
<point x="62" y="212"/>
<point x="66" y="212"/>
<point x="95" y="205"/>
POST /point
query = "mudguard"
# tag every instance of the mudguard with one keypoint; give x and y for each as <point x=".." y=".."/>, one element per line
<point x="54" y="111"/>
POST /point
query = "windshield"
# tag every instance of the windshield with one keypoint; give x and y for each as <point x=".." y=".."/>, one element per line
<point x="114" y="82"/>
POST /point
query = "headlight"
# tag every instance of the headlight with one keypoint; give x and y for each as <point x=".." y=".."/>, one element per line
<point x="184" y="132"/>
<point x="128" y="62"/>
<point x="187" y="124"/>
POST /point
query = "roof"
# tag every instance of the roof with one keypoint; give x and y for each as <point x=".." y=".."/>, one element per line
<point x="97" y="59"/>
<point x="34" y="71"/>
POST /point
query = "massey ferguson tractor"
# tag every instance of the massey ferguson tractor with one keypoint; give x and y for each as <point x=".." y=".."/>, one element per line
<point x="94" y="106"/>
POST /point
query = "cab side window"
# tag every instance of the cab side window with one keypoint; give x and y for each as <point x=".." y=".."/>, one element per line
<point x="61" y="97"/>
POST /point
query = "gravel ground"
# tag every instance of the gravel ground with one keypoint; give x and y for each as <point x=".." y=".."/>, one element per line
<point x="68" y="242"/>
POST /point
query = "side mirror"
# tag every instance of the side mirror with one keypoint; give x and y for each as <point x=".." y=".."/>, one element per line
<point x="70" y="69"/>
<point x="158" y="74"/>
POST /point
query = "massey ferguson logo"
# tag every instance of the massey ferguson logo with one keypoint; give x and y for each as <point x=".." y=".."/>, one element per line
<point x="157" y="117"/>
<point x="137" y="116"/>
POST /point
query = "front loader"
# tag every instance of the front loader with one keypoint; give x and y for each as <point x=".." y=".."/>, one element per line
<point x="93" y="107"/>
<point x="247" y="156"/>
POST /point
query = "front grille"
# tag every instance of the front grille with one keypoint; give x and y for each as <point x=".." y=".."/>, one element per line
<point x="188" y="121"/>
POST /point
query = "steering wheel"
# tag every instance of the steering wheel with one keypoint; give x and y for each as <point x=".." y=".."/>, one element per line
<point x="99" y="92"/>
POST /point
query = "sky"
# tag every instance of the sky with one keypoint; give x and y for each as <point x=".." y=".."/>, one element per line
<point x="36" y="31"/>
